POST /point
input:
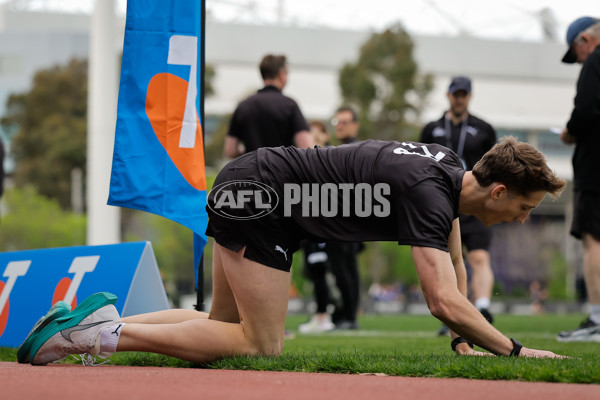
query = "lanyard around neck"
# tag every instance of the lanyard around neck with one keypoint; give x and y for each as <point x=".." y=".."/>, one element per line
<point x="461" y="140"/>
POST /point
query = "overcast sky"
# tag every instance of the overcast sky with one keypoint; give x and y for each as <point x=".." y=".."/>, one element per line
<point x="498" y="19"/>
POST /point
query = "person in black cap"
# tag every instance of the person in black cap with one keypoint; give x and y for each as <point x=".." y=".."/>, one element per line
<point x="583" y="130"/>
<point x="470" y="138"/>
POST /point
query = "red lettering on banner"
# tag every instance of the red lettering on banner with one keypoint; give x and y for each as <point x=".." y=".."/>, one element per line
<point x="61" y="291"/>
<point x="3" y="313"/>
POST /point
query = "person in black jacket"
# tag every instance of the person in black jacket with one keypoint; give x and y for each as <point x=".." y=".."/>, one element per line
<point x="340" y="258"/>
<point x="583" y="130"/>
<point x="470" y="138"/>
<point x="343" y="256"/>
<point x="316" y="261"/>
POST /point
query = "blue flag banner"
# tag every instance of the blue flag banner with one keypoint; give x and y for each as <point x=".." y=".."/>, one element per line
<point x="158" y="161"/>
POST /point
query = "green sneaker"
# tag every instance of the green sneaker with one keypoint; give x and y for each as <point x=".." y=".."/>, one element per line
<point x="59" y="309"/>
<point x="76" y="332"/>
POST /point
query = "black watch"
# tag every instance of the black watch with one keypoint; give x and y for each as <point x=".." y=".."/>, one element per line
<point x="517" y="346"/>
<point x="459" y="340"/>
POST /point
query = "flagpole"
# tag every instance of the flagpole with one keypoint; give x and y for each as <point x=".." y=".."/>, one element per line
<point x="200" y="266"/>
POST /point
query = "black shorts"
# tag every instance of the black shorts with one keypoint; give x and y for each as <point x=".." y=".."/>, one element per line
<point x="586" y="214"/>
<point x="474" y="234"/>
<point x="270" y="239"/>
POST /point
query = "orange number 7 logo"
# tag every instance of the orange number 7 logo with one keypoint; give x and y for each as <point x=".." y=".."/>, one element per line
<point x="171" y="109"/>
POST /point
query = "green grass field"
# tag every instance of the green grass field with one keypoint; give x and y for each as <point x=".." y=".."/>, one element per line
<point x="407" y="345"/>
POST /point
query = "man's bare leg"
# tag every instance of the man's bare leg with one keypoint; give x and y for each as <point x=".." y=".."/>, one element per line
<point x="591" y="267"/>
<point x="588" y="330"/>
<point x="166" y="317"/>
<point x="591" y="270"/>
<point x="482" y="280"/>
<point x="223" y="304"/>
<point x="224" y="307"/>
<point x="261" y="295"/>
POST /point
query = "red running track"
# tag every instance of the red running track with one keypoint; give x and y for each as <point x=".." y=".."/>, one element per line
<point x="106" y="382"/>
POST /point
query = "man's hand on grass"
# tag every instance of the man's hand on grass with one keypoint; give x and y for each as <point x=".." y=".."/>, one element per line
<point x="525" y="352"/>
<point x="463" y="349"/>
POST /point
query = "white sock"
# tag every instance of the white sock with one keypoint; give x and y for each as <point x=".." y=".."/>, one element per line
<point x="482" y="302"/>
<point x="109" y="337"/>
<point x="595" y="313"/>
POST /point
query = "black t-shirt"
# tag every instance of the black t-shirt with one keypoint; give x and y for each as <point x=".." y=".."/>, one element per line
<point x="267" y="119"/>
<point x="421" y="200"/>
<point x="479" y="137"/>
<point x="584" y="124"/>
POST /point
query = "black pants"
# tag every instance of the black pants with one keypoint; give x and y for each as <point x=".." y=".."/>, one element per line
<point x="344" y="266"/>
<point x="316" y="265"/>
<point x="317" y="273"/>
<point x="341" y="260"/>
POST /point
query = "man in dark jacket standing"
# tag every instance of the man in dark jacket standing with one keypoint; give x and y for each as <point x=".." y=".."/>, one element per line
<point x="583" y="130"/>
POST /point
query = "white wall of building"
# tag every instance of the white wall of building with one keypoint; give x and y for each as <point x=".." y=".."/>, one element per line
<point x="516" y="85"/>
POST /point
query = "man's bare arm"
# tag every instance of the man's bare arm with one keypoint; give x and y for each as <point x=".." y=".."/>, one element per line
<point x="304" y="139"/>
<point x="455" y="246"/>
<point x="233" y="147"/>
<point x="446" y="302"/>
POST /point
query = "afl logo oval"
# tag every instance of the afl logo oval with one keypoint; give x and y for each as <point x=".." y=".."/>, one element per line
<point x="242" y="200"/>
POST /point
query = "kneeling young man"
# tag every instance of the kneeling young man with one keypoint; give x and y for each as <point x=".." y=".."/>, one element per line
<point x="263" y="203"/>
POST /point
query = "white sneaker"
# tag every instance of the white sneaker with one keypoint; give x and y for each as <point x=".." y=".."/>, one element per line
<point x="588" y="331"/>
<point x="317" y="325"/>
<point x="73" y="334"/>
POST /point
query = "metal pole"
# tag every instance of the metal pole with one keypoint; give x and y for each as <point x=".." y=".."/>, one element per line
<point x="200" y="266"/>
<point x="103" y="221"/>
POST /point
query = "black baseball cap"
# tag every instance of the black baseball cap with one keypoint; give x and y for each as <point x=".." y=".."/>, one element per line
<point x="576" y="27"/>
<point x="460" y="83"/>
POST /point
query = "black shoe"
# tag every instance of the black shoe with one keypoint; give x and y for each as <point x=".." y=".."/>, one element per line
<point x="487" y="315"/>
<point x="444" y="331"/>
<point x="346" y="325"/>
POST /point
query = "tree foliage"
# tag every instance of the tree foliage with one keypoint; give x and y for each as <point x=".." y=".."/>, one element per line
<point x="209" y="77"/>
<point x="51" y="130"/>
<point x="213" y="150"/>
<point x="32" y="221"/>
<point x="385" y="87"/>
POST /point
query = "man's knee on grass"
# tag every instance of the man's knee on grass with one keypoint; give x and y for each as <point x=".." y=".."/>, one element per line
<point x="268" y="348"/>
<point x="263" y="344"/>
